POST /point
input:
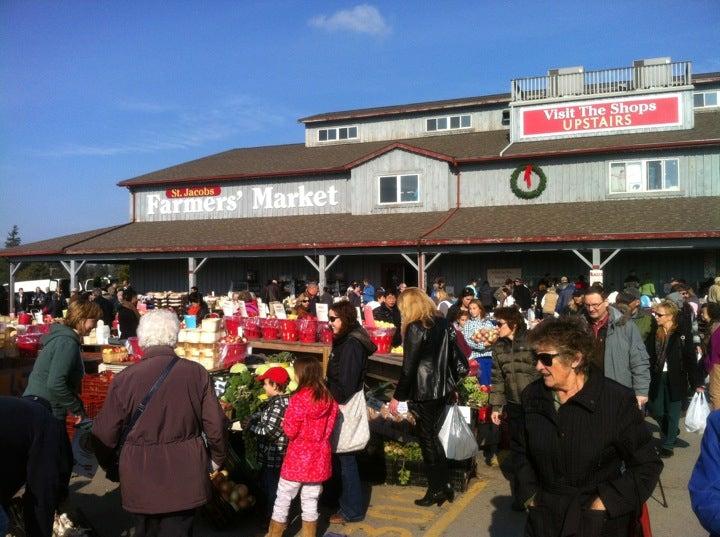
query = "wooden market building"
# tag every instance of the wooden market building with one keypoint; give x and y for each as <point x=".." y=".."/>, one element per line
<point x="572" y="171"/>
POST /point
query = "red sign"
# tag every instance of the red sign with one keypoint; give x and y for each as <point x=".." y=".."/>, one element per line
<point x="193" y="192"/>
<point x="601" y="116"/>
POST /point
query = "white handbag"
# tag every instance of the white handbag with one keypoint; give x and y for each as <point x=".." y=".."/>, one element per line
<point x="352" y="430"/>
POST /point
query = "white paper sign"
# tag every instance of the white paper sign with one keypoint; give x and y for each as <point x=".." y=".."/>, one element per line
<point x="322" y="312"/>
<point x="596" y="276"/>
<point x="359" y="316"/>
<point x="263" y="310"/>
<point x="497" y="277"/>
<point x="279" y="310"/>
<point x="242" y="309"/>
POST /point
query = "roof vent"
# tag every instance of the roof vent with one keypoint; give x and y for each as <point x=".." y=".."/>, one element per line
<point x="566" y="81"/>
<point x="653" y="72"/>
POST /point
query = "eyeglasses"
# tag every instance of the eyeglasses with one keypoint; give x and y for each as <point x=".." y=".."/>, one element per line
<point x="593" y="306"/>
<point x="656" y="314"/>
<point x="304" y="302"/>
<point x="332" y="319"/>
<point x="545" y="357"/>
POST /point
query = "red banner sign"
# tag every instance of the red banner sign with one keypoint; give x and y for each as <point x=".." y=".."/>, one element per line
<point x="602" y="116"/>
<point x="193" y="192"/>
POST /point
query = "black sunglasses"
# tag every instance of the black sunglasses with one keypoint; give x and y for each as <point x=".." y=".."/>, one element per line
<point x="332" y="318"/>
<point x="545" y="357"/>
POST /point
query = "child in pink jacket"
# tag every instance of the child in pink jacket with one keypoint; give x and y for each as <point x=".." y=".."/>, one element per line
<point x="308" y="424"/>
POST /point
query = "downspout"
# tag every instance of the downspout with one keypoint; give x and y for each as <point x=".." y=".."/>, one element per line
<point x="505" y="149"/>
<point x="451" y="213"/>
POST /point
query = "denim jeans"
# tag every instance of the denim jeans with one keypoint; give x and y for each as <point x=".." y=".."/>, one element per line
<point x="352" y="506"/>
<point x="269" y="478"/>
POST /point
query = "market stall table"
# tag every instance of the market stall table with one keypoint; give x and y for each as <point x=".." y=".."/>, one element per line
<point x="295" y="347"/>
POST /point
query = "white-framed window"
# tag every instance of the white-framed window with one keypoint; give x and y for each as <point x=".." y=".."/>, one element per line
<point x="448" y="122"/>
<point x="705" y="99"/>
<point x="395" y="189"/>
<point x="652" y="175"/>
<point x="337" y="133"/>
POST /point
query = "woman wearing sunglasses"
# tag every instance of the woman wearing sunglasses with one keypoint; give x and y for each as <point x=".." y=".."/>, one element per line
<point x="345" y="377"/>
<point x="425" y="381"/>
<point x="512" y="370"/>
<point x="302" y="306"/>
<point x="672" y="365"/>
<point x="584" y="457"/>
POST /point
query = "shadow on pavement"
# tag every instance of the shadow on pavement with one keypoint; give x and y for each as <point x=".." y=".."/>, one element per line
<point x="505" y="522"/>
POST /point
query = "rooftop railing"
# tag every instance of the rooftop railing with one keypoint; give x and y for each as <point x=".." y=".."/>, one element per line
<point x="604" y="81"/>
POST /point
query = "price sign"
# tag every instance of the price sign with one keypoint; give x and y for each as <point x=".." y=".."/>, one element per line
<point x="322" y="312"/>
<point x="242" y="309"/>
<point x="279" y="310"/>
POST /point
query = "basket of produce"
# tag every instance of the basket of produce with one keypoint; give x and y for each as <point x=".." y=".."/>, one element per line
<point x="307" y="329"/>
<point x="28" y="345"/>
<point x="382" y="335"/>
<point x="325" y="333"/>
<point x="232" y="323"/>
<point x="251" y="327"/>
<point x="233" y="350"/>
<point x="270" y="328"/>
<point x="289" y="330"/>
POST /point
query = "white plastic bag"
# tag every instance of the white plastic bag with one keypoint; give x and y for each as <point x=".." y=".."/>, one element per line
<point x="697" y="414"/>
<point x="352" y="429"/>
<point x="456" y="437"/>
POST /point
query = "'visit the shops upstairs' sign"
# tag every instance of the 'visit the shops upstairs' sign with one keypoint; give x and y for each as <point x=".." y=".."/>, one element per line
<point x="605" y="116"/>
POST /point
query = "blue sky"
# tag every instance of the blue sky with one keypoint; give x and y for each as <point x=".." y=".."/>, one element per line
<point x="95" y="92"/>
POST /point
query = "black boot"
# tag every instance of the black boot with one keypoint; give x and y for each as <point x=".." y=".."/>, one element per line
<point x="439" y="490"/>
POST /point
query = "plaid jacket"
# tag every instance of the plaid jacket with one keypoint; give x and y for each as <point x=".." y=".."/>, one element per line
<point x="267" y="426"/>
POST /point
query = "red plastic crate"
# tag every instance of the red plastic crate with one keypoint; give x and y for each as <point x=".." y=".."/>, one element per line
<point x="93" y="393"/>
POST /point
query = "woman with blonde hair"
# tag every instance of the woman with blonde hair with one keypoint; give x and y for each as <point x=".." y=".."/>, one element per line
<point x="58" y="369"/>
<point x="425" y="381"/>
<point x="672" y="365"/>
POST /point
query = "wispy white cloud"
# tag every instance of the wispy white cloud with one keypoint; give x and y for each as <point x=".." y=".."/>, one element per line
<point x="364" y="19"/>
<point x="186" y="128"/>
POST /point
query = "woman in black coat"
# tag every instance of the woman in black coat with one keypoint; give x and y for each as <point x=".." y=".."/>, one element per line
<point x="345" y="377"/>
<point x="672" y="367"/>
<point x="425" y="381"/>
<point x="584" y="458"/>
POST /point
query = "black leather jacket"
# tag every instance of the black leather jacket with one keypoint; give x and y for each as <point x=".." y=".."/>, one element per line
<point x="425" y="373"/>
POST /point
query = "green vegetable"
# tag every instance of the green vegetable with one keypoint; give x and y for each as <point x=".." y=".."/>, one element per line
<point x="469" y="393"/>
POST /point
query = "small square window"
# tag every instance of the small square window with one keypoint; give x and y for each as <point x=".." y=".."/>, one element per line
<point x="654" y="175"/>
<point x="322" y="135"/>
<point x="432" y="124"/>
<point x="699" y="100"/>
<point x="711" y="98"/>
<point x="442" y="123"/>
<point x="352" y="132"/>
<point x="455" y="122"/>
<point x="343" y="133"/>
<point x="465" y="121"/>
<point x="332" y="134"/>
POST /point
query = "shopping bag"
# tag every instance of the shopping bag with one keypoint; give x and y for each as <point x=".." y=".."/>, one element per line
<point x="352" y="429"/>
<point x="456" y="437"/>
<point x="697" y="414"/>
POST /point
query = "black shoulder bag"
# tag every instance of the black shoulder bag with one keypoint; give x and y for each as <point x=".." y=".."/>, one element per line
<point x="112" y="472"/>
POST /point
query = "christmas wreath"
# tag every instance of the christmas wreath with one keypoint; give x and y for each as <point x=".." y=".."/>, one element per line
<point x="530" y="192"/>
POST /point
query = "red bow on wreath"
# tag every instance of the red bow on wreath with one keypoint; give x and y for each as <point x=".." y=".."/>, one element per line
<point x="528" y="175"/>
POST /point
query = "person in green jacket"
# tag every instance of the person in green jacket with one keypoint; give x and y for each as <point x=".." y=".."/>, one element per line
<point x="58" y="369"/>
<point x="628" y="302"/>
<point x="647" y="287"/>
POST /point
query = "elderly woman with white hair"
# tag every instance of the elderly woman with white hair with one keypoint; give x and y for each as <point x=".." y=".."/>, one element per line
<point x="163" y="459"/>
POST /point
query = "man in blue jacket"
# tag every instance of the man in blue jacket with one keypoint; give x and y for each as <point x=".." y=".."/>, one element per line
<point x="704" y="484"/>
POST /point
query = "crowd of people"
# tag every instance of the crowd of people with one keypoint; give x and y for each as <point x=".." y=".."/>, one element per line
<point x="573" y="369"/>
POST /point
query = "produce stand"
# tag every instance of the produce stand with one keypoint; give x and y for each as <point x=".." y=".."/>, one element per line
<point x="295" y="347"/>
<point x="385" y="367"/>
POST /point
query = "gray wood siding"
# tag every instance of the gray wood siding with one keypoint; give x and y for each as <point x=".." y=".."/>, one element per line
<point x="436" y="183"/>
<point x="408" y="126"/>
<point x="588" y="179"/>
<point x="246" y="204"/>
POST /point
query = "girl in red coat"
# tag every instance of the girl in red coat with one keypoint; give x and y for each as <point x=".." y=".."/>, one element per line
<point x="308" y="424"/>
